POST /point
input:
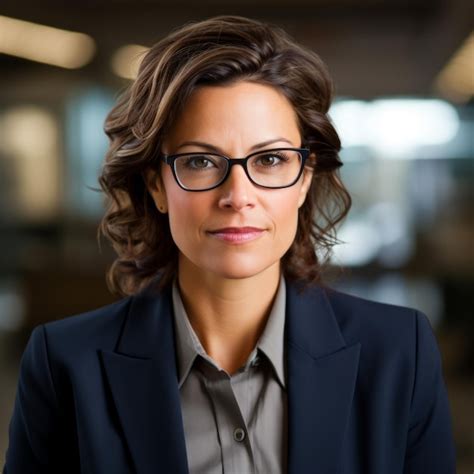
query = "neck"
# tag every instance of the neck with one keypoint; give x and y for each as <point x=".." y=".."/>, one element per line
<point x="228" y="315"/>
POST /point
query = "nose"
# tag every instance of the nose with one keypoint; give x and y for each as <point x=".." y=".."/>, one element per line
<point x="237" y="191"/>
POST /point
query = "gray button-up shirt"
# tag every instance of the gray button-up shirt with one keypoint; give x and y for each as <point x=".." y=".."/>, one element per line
<point x="234" y="424"/>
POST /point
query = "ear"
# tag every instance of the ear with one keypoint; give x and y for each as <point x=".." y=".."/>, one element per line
<point x="155" y="186"/>
<point x="308" y="173"/>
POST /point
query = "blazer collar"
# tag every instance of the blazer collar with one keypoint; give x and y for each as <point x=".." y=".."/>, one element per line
<point x="143" y="377"/>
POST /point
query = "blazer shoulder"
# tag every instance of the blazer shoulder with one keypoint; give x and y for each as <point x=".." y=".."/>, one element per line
<point x="390" y="335"/>
<point x="368" y="320"/>
<point x="98" y="328"/>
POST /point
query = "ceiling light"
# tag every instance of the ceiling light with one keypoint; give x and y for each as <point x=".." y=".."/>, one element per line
<point x="395" y="128"/>
<point x="126" y="60"/>
<point x="45" y="44"/>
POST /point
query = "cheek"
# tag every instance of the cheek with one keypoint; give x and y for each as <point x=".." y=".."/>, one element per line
<point x="181" y="208"/>
<point x="285" y="215"/>
<point x="187" y="212"/>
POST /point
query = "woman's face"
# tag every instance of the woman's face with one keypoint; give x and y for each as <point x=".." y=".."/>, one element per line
<point x="233" y="119"/>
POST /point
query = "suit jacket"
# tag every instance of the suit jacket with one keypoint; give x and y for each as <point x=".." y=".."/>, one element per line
<point x="98" y="392"/>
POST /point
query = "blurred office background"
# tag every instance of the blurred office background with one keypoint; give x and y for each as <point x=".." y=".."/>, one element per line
<point x="404" y="108"/>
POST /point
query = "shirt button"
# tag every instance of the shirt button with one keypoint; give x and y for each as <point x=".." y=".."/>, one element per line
<point x="239" y="434"/>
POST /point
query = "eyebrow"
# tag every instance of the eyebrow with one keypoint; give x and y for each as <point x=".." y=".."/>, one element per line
<point x="219" y="150"/>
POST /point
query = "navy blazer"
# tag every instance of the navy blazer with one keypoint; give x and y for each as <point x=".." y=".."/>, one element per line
<point x="98" y="392"/>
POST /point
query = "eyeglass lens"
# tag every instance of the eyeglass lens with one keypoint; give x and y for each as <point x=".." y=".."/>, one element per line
<point x="269" y="168"/>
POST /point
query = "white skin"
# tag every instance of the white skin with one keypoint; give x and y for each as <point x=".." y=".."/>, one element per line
<point x="227" y="289"/>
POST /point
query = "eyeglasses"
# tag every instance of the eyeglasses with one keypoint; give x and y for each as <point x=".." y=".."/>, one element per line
<point x="200" y="171"/>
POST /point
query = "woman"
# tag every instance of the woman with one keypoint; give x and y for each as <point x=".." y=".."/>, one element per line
<point x="228" y="353"/>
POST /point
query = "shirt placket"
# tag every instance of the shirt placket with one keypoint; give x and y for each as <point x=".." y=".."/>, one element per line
<point x="237" y="456"/>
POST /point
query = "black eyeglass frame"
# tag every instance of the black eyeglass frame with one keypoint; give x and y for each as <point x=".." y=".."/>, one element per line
<point x="170" y="159"/>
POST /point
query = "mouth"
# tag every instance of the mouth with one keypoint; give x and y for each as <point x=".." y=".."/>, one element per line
<point x="237" y="234"/>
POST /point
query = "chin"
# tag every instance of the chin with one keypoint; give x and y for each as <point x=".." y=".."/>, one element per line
<point x="229" y="265"/>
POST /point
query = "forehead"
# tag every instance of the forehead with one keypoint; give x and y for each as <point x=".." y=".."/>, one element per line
<point x="240" y="114"/>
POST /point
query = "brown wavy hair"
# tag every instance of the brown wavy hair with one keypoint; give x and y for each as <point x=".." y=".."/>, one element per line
<point x="217" y="51"/>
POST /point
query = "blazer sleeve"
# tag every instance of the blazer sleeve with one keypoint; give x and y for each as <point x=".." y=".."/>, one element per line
<point x="430" y="444"/>
<point x="34" y="431"/>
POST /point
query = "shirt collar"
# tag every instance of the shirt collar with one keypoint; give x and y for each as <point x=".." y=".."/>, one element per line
<point x="271" y="342"/>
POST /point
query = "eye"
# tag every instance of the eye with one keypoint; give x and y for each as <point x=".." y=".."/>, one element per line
<point x="200" y="162"/>
<point x="271" y="159"/>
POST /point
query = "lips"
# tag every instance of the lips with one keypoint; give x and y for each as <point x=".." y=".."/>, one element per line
<point x="236" y="230"/>
<point x="237" y="235"/>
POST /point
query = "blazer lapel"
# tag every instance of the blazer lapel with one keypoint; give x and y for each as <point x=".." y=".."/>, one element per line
<point x="322" y="372"/>
<point x="142" y="376"/>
